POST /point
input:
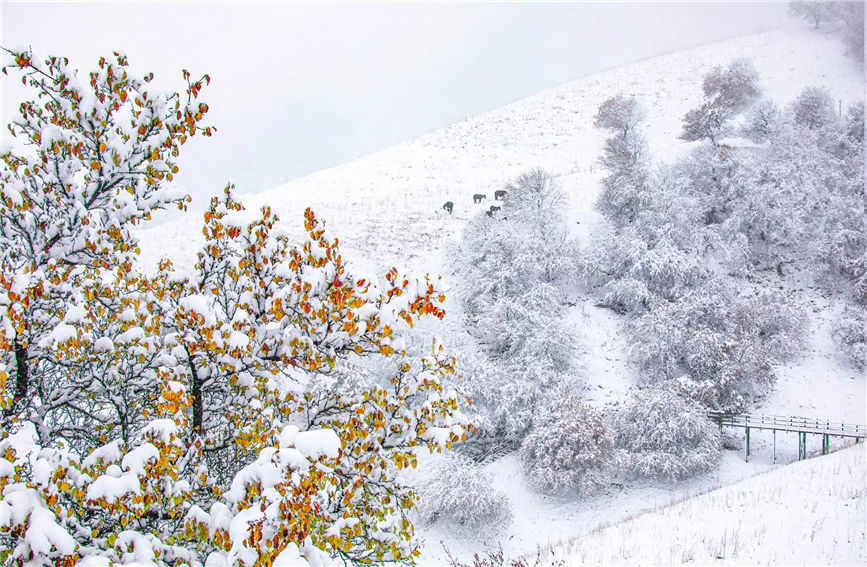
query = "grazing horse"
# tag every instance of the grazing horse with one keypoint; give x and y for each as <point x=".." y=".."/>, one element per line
<point x="493" y="209"/>
<point x="477" y="198"/>
<point x="500" y="195"/>
<point x="448" y="207"/>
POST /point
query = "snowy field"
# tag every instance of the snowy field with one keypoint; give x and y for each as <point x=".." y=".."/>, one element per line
<point x="812" y="512"/>
<point x="391" y="202"/>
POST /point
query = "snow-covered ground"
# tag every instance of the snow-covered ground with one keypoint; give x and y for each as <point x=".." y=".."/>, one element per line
<point x="812" y="512"/>
<point x="386" y="208"/>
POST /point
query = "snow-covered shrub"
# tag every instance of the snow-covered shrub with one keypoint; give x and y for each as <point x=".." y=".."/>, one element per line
<point x="718" y="343"/>
<point x="850" y="332"/>
<point x="570" y="450"/>
<point x="459" y="495"/>
<point x="665" y="435"/>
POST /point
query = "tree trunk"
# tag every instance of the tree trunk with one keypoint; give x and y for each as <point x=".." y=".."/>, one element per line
<point x="197" y="396"/>
<point x="22" y="377"/>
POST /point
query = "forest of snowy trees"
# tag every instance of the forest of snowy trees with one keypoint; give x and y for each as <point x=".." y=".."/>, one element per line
<point x="698" y="257"/>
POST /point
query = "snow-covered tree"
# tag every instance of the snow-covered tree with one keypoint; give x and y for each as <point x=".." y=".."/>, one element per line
<point x="733" y="88"/>
<point x="570" y="450"/>
<point x="664" y="435"/>
<point x="813" y="11"/>
<point x="719" y="343"/>
<point x="726" y="92"/>
<point x="91" y="161"/>
<point x="233" y="413"/>
<point x="619" y="114"/>
<point x="814" y="108"/>
<point x="625" y="188"/>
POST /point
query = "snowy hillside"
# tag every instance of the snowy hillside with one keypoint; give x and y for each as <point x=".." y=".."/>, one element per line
<point x="392" y="199"/>
<point x="386" y="208"/>
<point x="811" y="512"/>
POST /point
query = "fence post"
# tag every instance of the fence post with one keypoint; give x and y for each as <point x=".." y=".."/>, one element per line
<point x="747" y="456"/>
<point x="775" y="446"/>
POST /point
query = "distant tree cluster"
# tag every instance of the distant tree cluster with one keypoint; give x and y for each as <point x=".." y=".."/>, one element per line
<point x="691" y="264"/>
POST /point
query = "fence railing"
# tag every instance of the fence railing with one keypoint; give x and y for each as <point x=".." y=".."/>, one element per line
<point x="790" y="423"/>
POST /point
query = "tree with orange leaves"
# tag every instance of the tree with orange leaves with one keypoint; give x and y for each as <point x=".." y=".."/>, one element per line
<point x="257" y="408"/>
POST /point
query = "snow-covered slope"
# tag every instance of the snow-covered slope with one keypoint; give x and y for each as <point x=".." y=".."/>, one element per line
<point x="392" y="199"/>
<point x="386" y="208"/>
<point x="812" y="512"/>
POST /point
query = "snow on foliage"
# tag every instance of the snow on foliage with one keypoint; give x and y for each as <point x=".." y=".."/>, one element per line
<point x="513" y="272"/>
<point x="198" y="416"/>
<point x="665" y="436"/>
<point x="459" y="495"/>
<point x="625" y="156"/>
<point x="693" y="265"/>
<point x="570" y="450"/>
<point x="718" y="344"/>
<point x="850" y="331"/>
<point x="726" y="92"/>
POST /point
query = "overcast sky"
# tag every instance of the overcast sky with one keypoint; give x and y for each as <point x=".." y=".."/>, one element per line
<point x="300" y="87"/>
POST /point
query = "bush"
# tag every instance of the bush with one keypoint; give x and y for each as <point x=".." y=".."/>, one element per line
<point x="666" y="436"/>
<point x="850" y="332"/>
<point x="569" y="451"/>
<point x="459" y="495"/>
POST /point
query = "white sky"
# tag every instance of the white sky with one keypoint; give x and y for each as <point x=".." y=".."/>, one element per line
<point x="300" y="87"/>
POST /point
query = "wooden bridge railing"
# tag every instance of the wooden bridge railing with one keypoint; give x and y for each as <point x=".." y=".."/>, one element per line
<point x="801" y="425"/>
